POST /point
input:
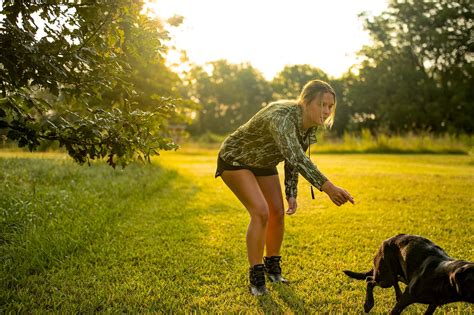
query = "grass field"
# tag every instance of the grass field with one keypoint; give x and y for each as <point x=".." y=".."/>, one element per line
<point x="168" y="237"/>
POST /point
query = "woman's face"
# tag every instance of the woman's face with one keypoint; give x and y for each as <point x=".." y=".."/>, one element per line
<point x="320" y="108"/>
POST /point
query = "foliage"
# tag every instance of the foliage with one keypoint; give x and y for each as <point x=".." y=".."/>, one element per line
<point x="365" y="142"/>
<point x="228" y="95"/>
<point x="289" y="82"/>
<point x="65" y="60"/>
<point x="157" y="240"/>
<point x="418" y="75"/>
<point x="231" y="93"/>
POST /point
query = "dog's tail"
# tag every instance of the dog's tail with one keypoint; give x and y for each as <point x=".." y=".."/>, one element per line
<point x="359" y="275"/>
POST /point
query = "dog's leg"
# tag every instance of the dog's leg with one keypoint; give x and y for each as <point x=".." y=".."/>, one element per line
<point x="398" y="292"/>
<point x="430" y="310"/>
<point x="369" y="294"/>
<point x="405" y="300"/>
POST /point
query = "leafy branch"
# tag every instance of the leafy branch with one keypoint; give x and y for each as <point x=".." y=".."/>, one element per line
<point x="79" y="85"/>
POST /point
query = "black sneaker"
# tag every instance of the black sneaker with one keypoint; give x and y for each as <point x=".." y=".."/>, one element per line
<point x="257" y="280"/>
<point x="273" y="269"/>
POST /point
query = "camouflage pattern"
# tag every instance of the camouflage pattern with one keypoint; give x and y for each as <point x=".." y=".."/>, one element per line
<point x="273" y="135"/>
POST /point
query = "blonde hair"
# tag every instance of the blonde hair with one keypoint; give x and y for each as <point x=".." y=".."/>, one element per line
<point x="316" y="88"/>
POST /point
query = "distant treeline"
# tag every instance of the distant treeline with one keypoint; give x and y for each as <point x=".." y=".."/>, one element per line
<point x="416" y="77"/>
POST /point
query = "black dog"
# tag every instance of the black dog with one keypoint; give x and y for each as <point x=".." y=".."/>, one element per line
<point x="431" y="276"/>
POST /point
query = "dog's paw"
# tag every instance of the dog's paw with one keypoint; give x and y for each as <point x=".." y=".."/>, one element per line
<point x="368" y="306"/>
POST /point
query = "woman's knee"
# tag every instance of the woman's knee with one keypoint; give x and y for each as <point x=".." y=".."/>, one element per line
<point x="260" y="213"/>
<point x="277" y="214"/>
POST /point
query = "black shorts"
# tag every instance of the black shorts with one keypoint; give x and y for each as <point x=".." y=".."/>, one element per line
<point x="224" y="166"/>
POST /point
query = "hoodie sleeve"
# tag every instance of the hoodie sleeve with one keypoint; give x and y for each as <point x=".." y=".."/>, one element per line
<point x="291" y="180"/>
<point x="284" y="133"/>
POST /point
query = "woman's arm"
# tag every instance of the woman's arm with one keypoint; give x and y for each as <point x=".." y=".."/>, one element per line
<point x="284" y="133"/>
<point x="291" y="180"/>
<point x="338" y="195"/>
<point x="291" y="184"/>
<point x="292" y="205"/>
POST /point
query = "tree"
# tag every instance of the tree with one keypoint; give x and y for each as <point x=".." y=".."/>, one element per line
<point x="65" y="75"/>
<point x="289" y="82"/>
<point x="229" y="95"/>
<point x="418" y="75"/>
<point x="344" y="110"/>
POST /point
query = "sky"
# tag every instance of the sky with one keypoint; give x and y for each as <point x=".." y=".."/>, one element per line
<point x="270" y="34"/>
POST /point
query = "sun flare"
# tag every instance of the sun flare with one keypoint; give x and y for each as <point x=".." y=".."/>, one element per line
<point x="270" y="34"/>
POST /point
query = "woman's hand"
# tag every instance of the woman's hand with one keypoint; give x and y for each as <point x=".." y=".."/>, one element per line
<point x="338" y="195"/>
<point x="291" y="206"/>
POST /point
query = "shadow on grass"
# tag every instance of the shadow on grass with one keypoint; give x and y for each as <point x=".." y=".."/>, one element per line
<point x="269" y="305"/>
<point x="106" y="233"/>
<point x="290" y="298"/>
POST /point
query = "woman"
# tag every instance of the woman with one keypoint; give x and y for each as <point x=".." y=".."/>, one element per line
<point x="281" y="131"/>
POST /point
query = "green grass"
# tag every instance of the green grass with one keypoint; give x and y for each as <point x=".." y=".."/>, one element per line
<point x="168" y="237"/>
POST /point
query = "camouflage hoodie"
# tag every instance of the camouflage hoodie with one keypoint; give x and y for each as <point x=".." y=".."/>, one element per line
<point x="275" y="134"/>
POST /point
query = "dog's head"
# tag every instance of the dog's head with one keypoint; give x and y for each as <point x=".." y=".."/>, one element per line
<point x="463" y="280"/>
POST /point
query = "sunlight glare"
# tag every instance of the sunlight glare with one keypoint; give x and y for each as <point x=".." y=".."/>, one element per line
<point x="271" y="34"/>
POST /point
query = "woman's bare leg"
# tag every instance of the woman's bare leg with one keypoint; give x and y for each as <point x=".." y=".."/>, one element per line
<point x="271" y="189"/>
<point x="245" y="186"/>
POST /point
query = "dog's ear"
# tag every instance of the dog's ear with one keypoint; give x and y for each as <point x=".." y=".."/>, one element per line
<point x="470" y="273"/>
<point x="454" y="279"/>
<point x="469" y="279"/>
<point x="461" y="277"/>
